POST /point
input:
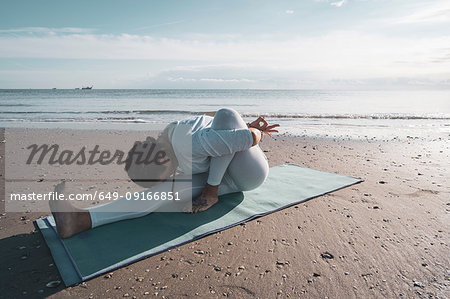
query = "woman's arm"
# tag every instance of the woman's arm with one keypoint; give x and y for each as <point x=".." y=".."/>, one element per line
<point x="256" y="134"/>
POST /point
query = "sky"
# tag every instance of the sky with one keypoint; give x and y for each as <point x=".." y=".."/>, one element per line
<point x="307" y="44"/>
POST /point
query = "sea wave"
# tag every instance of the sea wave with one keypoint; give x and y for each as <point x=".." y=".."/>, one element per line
<point x="108" y="115"/>
<point x="348" y="116"/>
<point x="14" y="105"/>
<point x="114" y="112"/>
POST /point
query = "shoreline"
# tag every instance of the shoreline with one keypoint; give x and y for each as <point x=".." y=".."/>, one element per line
<point x="326" y="131"/>
<point x="388" y="236"/>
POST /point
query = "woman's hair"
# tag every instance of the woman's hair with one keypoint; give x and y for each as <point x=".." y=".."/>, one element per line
<point x="150" y="162"/>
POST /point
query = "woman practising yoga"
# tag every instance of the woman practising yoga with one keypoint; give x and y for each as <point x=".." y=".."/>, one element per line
<point x="225" y="158"/>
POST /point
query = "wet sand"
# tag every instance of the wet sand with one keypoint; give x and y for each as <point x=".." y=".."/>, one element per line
<point x="386" y="237"/>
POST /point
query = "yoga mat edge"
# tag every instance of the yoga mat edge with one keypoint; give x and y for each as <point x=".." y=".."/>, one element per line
<point x="71" y="275"/>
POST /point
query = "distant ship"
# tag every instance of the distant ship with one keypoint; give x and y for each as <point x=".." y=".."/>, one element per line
<point x="87" y="87"/>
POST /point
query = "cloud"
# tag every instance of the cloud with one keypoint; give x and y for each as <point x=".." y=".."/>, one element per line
<point x="440" y="12"/>
<point x="215" y="80"/>
<point x="289" y="12"/>
<point x="339" y="3"/>
<point x="267" y="77"/>
<point x="237" y="61"/>
<point x="336" y="50"/>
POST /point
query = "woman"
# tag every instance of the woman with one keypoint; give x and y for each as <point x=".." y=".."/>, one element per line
<point x="225" y="158"/>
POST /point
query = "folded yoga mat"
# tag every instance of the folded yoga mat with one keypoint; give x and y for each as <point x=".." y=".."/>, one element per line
<point x="114" y="245"/>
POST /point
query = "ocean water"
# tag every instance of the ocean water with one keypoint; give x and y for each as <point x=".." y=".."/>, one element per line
<point x="322" y="113"/>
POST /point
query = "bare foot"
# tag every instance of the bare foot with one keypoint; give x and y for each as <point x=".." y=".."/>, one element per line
<point x="69" y="220"/>
<point x="207" y="199"/>
<point x="203" y="202"/>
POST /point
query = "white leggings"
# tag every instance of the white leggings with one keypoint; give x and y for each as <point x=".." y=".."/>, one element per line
<point x="241" y="170"/>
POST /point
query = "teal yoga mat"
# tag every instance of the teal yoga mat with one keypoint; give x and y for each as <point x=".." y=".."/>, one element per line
<point x="111" y="246"/>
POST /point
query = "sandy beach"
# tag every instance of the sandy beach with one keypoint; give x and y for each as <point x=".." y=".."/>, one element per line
<point x="387" y="237"/>
<point x="356" y="93"/>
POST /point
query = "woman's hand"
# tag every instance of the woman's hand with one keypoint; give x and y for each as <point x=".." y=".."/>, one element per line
<point x="261" y="124"/>
<point x="257" y="135"/>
